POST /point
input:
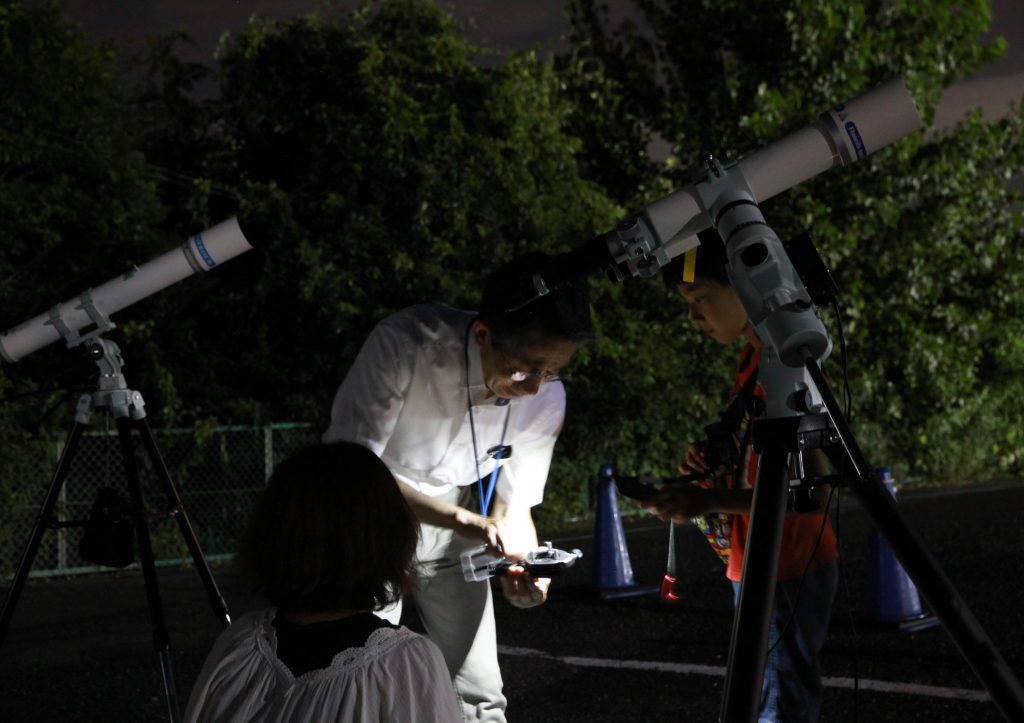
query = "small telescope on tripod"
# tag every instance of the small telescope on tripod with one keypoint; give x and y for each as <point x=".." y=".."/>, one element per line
<point x="83" y="321"/>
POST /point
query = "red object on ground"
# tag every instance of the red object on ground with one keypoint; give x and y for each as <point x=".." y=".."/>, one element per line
<point x="668" y="589"/>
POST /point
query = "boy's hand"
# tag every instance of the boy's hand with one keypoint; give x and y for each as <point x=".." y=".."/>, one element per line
<point x="680" y="503"/>
<point x="695" y="461"/>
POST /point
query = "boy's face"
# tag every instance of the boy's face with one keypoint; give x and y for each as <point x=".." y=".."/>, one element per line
<point x="715" y="309"/>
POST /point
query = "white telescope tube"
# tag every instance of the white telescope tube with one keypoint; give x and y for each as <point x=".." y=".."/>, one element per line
<point x="839" y="137"/>
<point x="202" y="252"/>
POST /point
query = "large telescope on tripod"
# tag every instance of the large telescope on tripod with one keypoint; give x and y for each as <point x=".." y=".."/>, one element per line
<point x="202" y="252"/>
<point x="801" y="411"/>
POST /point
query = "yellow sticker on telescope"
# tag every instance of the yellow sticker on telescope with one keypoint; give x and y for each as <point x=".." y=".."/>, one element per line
<point x="690" y="265"/>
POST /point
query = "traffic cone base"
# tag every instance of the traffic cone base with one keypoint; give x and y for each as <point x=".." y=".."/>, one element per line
<point x="612" y="566"/>
<point x="613" y="571"/>
<point x="894" y="598"/>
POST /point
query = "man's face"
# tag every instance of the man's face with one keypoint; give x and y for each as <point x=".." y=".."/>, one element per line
<point x="521" y="371"/>
<point x="715" y="309"/>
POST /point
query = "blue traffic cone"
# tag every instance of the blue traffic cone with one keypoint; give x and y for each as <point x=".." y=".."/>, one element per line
<point x="894" y="598"/>
<point x="613" y="571"/>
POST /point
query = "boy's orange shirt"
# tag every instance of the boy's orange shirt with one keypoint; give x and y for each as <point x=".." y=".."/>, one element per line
<point x="799" y="532"/>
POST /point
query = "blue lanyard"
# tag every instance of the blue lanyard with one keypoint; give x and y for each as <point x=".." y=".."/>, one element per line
<point x="495" y="452"/>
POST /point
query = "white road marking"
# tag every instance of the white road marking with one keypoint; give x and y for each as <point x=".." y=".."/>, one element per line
<point x="881" y="686"/>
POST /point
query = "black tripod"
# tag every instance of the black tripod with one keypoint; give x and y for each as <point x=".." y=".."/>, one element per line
<point x="127" y="408"/>
<point x="802" y="414"/>
<point x="776" y="440"/>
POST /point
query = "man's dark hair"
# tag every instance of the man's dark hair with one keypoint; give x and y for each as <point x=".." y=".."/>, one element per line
<point x="711" y="262"/>
<point x="331" y="531"/>
<point x="562" y="315"/>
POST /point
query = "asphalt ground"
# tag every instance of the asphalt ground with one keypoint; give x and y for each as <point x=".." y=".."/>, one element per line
<point x="80" y="649"/>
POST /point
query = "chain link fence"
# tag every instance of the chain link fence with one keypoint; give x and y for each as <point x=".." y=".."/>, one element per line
<point x="218" y="474"/>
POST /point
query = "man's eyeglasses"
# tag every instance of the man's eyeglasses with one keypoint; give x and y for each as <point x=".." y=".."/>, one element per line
<point x="517" y="375"/>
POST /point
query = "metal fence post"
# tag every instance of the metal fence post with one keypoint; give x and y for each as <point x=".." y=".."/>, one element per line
<point x="218" y="476"/>
<point x="268" y="452"/>
<point x="62" y="513"/>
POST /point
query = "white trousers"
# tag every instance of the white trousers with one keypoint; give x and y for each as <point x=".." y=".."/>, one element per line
<point x="459" y="618"/>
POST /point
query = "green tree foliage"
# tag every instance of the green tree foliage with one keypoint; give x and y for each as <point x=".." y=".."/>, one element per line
<point x="71" y="178"/>
<point x="380" y="167"/>
<point x="77" y="207"/>
<point x="377" y="164"/>
<point x="172" y="119"/>
<point x="924" y="238"/>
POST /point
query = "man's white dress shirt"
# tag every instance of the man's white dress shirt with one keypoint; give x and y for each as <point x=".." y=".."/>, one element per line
<point x="405" y="398"/>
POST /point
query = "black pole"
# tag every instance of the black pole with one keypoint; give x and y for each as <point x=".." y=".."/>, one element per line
<point x="748" y="648"/>
<point x="947" y="604"/>
<point x="217" y="601"/>
<point x="161" y="640"/>
<point x="42" y="521"/>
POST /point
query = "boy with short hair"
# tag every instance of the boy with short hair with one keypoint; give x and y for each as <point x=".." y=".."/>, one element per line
<point x="792" y="688"/>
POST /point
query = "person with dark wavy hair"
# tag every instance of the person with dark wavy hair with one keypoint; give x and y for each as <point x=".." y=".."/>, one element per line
<point x="454" y="400"/>
<point x="330" y="540"/>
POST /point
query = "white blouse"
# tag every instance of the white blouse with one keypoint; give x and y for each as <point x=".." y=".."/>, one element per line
<point x="398" y="675"/>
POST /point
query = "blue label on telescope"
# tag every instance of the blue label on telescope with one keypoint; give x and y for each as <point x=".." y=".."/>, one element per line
<point x="201" y="248"/>
<point x="855" y="139"/>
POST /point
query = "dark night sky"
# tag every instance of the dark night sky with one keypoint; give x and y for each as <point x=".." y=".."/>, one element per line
<point x="502" y="23"/>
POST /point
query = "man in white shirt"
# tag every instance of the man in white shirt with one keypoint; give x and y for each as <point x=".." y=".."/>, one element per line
<point x="444" y="397"/>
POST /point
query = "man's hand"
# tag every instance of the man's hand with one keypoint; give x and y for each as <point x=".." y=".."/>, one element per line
<point x="523" y="590"/>
<point x="516" y="532"/>
<point x="518" y="535"/>
<point x="479" y="528"/>
<point x="504" y="536"/>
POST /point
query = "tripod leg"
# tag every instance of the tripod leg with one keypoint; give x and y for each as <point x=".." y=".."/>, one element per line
<point x="748" y="648"/>
<point x="42" y="520"/>
<point x="220" y="607"/>
<point x="161" y="641"/>
<point x="951" y="609"/>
